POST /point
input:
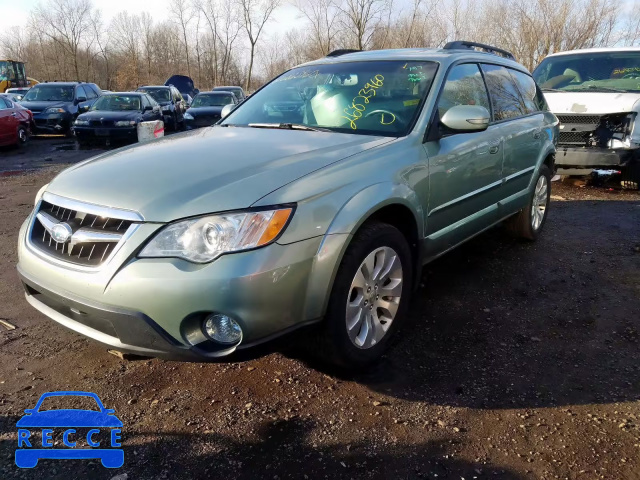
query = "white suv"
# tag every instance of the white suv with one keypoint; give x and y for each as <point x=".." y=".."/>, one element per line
<point x="595" y="94"/>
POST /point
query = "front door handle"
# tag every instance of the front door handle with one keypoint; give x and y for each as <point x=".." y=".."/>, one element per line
<point x="494" y="149"/>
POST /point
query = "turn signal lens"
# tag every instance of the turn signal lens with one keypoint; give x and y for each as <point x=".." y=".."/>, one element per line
<point x="277" y="223"/>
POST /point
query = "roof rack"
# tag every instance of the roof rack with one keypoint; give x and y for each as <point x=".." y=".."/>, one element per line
<point x="457" y="45"/>
<point x="344" y="51"/>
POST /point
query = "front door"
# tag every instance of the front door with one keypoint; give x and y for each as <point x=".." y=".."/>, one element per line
<point x="465" y="169"/>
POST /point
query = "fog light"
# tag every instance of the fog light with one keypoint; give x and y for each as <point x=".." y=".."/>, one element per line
<point x="222" y="329"/>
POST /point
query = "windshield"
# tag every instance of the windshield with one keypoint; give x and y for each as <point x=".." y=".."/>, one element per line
<point x="49" y="93"/>
<point x="116" y="103"/>
<point x="600" y="71"/>
<point x="6" y="71"/>
<point x="160" y="95"/>
<point x="370" y="98"/>
<point x="212" y="100"/>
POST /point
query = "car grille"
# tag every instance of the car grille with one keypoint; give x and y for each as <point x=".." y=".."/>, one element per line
<point x="573" y="138"/>
<point x="92" y="238"/>
<point x="206" y="121"/>
<point x="101" y="123"/>
<point x="579" y="119"/>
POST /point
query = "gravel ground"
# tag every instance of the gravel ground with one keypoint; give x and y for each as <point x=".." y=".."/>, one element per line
<point x="518" y="361"/>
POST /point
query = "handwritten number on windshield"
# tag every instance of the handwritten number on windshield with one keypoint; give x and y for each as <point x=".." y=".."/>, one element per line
<point x="354" y="111"/>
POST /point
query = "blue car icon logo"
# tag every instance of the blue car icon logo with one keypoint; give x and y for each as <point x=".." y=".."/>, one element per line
<point x="29" y="452"/>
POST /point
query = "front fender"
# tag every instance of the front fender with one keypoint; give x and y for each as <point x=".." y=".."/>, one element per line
<point x="360" y="207"/>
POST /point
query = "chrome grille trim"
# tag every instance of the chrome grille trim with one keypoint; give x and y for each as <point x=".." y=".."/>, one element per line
<point x="105" y="231"/>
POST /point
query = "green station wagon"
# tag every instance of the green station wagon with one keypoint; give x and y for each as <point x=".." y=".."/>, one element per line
<point x="317" y="200"/>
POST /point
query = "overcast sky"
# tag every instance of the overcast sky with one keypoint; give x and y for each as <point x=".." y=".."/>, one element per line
<point x="16" y="12"/>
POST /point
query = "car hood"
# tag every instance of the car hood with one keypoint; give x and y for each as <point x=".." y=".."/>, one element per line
<point x="195" y="111"/>
<point x="110" y="116"/>
<point x="595" y="103"/>
<point x="204" y="171"/>
<point x="69" y="418"/>
<point x="39" y="106"/>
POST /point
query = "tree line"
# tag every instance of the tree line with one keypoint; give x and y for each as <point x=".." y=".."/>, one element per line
<point x="220" y="42"/>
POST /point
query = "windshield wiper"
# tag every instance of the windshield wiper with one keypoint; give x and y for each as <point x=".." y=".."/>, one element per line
<point x="597" y="87"/>
<point x="288" y="126"/>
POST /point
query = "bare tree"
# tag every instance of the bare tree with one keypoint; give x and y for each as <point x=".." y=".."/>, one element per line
<point x="360" y="17"/>
<point x="255" y="14"/>
<point x="322" y="16"/>
<point x="67" y="23"/>
<point x="181" y="10"/>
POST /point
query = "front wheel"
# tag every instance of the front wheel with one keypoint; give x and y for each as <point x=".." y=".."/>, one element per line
<point x="369" y="298"/>
<point x="529" y="221"/>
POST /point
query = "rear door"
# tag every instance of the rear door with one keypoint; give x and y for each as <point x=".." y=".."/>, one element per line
<point x="465" y="169"/>
<point x="8" y="122"/>
<point x="513" y="97"/>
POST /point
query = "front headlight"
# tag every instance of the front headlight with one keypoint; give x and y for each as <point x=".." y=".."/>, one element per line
<point x="188" y="116"/>
<point x="203" y="239"/>
<point x="81" y="123"/>
<point x="125" y="123"/>
<point x="54" y="110"/>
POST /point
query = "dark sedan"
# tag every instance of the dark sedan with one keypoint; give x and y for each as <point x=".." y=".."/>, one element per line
<point x="206" y="108"/>
<point x="115" y="117"/>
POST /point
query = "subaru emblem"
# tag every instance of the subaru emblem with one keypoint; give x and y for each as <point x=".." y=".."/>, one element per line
<point x="61" y="232"/>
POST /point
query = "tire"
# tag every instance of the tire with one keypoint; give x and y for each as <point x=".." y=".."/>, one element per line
<point x="630" y="179"/>
<point x="376" y="243"/>
<point x="23" y="136"/>
<point x="523" y="224"/>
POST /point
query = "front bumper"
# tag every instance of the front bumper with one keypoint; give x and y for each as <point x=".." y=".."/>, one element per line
<point x="592" y="157"/>
<point x="52" y="122"/>
<point x="97" y="133"/>
<point x="147" y="306"/>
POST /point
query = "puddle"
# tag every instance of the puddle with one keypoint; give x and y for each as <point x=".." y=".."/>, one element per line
<point x="66" y="147"/>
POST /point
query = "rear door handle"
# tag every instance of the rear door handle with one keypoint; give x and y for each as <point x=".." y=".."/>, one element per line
<point x="13" y="114"/>
<point x="494" y="149"/>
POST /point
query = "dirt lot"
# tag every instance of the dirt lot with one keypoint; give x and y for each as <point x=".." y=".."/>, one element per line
<point x="518" y="361"/>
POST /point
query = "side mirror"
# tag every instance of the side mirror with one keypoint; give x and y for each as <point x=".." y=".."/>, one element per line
<point x="80" y="100"/>
<point x="29" y="411"/>
<point x="147" y="108"/>
<point x="466" y="118"/>
<point x="84" y="108"/>
<point x="226" y="110"/>
<point x="109" y="411"/>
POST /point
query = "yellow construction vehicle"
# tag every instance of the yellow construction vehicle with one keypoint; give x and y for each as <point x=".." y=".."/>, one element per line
<point x="13" y="75"/>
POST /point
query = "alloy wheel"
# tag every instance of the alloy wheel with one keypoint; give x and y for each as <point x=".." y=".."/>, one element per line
<point x="539" y="204"/>
<point x="374" y="297"/>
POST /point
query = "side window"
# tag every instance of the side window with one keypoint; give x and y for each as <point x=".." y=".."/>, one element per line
<point x="464" y="86"/>
<point x="4" y="104"/>
<point x="541" y="101"/>
<point x="505" y="97"/>
<point x="528" y="91"/>
<point x="145" y="102"/>
<point x="80" y="92"/>
<point x="151" y="101"/>
<point x="90" y="93"/>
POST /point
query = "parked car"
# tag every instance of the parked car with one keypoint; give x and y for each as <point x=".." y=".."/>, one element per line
<point x="14" y="97"/>
<point x="238" y="91"/>
<point x="17" y="93"/>
<point x="207" y="108"/>
<point x="230" y="236"/>
<point x="55" y="105"/>
<point x="15" y="122"/>
<point x="115" y="117"/>
<point x="596" y="95"/>
<point x="172" y="103"/>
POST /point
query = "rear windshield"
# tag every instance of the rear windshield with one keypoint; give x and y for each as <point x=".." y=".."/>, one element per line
<point x="49" y="93"/>
<point x="590" y="72"/>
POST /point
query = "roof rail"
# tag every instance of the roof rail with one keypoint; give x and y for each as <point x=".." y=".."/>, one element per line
<point x="344" y="51"/>
<point x="457" y="45"/>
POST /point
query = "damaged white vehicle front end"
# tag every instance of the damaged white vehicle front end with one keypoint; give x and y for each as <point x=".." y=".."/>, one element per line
<point x="596" y="96"/>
